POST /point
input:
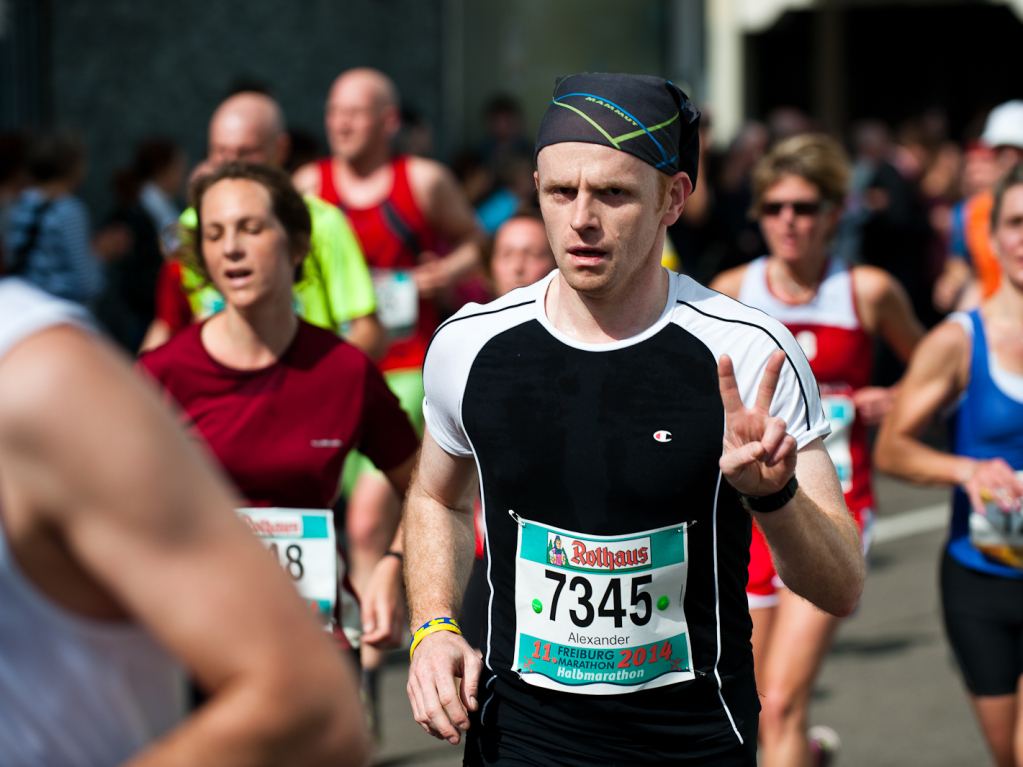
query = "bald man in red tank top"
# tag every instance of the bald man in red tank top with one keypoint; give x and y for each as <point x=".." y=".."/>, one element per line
<point x="403" y="209"/>
<point x="400" y="207"/>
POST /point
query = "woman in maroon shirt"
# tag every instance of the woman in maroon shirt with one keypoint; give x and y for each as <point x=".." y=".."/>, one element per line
<point x="278" y="401"/>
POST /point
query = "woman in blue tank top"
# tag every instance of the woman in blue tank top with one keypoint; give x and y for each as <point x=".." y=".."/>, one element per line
<point x="972" y="364"/>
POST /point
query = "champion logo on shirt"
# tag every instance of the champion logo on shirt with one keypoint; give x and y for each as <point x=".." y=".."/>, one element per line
<point x="662" y="436"/>
<point x="326" y="442"/>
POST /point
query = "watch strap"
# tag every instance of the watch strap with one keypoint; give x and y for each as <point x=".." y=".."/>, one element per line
<point x="764" y="504"/>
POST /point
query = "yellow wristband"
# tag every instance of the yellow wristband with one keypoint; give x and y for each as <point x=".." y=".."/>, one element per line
<point x="432" y="627"/>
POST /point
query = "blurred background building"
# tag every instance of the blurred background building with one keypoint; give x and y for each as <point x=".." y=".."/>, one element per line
<point x="123" y="70"/>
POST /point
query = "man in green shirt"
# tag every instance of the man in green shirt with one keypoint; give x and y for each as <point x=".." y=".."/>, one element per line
<point x="335" y="292"/>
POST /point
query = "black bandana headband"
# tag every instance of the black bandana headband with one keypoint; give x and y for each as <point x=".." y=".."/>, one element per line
<point x="645" y="116"/>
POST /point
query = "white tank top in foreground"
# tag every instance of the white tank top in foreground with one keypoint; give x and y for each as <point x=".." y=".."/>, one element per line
<point x="74" y="692"/>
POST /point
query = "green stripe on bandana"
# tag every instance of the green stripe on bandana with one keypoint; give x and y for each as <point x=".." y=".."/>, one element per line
<point x="646" y="117"/>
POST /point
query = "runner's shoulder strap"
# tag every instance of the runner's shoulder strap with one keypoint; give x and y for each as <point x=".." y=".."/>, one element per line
<point x="392" y="214"/>
<point x="328" y="190"/>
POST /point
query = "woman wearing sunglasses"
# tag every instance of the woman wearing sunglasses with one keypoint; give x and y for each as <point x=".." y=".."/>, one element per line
<point x="834" y="310"/>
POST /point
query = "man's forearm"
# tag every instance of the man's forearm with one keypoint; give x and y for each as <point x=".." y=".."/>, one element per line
<point x="817" y="554"/>
<point x="910" y="459"/>
<point x="246" y="726"/>
<point x="438" y="543"/>
<point x="464" y="258"/>
<point x="367" y="334"/>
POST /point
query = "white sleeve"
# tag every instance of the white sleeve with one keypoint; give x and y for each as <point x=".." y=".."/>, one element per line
<point x="749" y="337"/>
<point x="444" y="384"/>
<point x="963" y="320"/>
<point x="26" y="310"/>
<point x="797" y="400"/>
<point x="450" y="357"/>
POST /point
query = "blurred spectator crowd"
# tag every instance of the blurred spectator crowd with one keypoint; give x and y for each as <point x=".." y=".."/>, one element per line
<point x="915" y="206"/>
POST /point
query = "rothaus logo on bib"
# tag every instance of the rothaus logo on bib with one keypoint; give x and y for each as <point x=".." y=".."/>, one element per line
<point x="600" y="615"/>
<point x="270" y="525"/>
<point x="580" y="554"/>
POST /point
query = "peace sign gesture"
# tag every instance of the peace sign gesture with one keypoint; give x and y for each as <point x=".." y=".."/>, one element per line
<point x="758" y="457"/>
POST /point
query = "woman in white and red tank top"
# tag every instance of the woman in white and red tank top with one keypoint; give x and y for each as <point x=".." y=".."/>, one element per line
<point x="834" y="310"/>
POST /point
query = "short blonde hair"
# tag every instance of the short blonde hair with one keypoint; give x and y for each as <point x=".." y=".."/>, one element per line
<point x="815" y="157"/>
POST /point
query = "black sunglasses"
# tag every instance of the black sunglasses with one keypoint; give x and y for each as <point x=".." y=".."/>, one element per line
<point x="799" y="207"/>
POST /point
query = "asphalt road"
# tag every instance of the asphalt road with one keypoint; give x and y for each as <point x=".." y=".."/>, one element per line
<point x="890" y="687"/>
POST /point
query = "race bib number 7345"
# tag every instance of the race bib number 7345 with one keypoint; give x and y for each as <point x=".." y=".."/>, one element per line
<point x="601" y="615"/>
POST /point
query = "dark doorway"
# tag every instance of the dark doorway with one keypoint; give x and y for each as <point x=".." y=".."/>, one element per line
<point x="899" y="61"/>
<point x="779" y="63"/>
<point x="963" y="59"/>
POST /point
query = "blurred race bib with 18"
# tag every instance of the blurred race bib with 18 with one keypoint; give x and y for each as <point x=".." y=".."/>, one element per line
<point x="303" y="543"/>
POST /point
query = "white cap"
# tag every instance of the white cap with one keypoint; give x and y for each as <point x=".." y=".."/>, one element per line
<point x="1004" y="126"/>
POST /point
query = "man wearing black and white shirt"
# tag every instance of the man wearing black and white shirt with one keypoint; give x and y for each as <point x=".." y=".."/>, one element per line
<point x="620" y="420"/>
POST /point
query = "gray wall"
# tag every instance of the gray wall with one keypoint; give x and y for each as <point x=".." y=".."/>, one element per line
<point x="521" y="46"/>
<point x="124" y="70"/>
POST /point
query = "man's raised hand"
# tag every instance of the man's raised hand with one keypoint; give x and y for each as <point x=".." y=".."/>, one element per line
<point x="758" y="457"/>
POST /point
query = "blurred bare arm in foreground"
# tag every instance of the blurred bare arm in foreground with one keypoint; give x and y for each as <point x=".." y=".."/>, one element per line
<point x="113" y="515"/>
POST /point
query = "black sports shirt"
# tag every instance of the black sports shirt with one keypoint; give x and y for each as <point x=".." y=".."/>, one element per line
<point x="618" y="628"/>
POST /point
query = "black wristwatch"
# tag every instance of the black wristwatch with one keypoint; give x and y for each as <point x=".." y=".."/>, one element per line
<point x="768" y="503"/>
